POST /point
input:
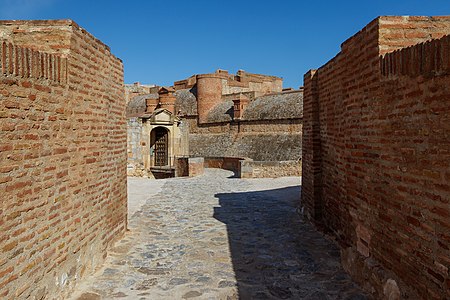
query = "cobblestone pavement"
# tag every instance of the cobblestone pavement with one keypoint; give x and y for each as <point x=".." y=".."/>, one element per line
<point x="217" y="237"/>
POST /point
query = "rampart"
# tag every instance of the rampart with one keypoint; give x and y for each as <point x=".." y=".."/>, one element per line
<point x="62" y="156"/>
<point x="376" y="155"/>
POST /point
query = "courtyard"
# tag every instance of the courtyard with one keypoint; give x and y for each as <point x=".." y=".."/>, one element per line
<point x="218" y="237"/>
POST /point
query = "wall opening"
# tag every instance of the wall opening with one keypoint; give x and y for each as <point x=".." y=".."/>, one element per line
<point x="159" y="141"/>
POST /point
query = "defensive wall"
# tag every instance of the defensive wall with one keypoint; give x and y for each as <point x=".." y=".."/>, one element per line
<point x="62" y="156"/>
<point x="376" y="155"/>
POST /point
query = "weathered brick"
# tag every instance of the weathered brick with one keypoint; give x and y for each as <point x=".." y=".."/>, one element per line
<point x="42" y="88"/>
<point x="6" y="271"/>
<point x="6" y="169"/>
<point x="8" y="126"/>
<point x="27" y="84"/>
<point x="10" y="246"/>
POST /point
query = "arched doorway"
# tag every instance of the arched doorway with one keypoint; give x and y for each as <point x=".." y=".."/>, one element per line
<point x="160" y="143"/>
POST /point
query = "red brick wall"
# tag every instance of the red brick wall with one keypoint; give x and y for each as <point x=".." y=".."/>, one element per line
<point x="62" y="156"/>
<point x="376" y="154"/>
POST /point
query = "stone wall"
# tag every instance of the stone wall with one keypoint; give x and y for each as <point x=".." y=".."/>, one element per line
<point x="262" y="140"/>
<point x="136" y="146"/>
<point x="270" y="169"/>
<point x="62" y="156"/>
<point x="196" y="166"/>
<point x="376" y="158"/>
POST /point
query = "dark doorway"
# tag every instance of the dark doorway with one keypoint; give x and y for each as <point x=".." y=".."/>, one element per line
<point x="161" y="145"/>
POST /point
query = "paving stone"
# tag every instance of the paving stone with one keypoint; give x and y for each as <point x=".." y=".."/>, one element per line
<point x="192" y="294"/>
<point x="203" y="279"/>
<point x="280" y="292"/>
<point x="178" y="281"/>
<point x="119" y="295"/>
<point x="215" y="237"/>
<point x="225" y="283"/>
<point x="89" y="296"/>
<point x="146" y="284"/>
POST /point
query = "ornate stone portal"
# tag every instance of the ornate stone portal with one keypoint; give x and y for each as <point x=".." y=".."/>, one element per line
<point x="155" y="135"/>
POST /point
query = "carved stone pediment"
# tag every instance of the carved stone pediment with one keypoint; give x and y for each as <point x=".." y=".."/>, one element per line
<point x="163" y="117"/>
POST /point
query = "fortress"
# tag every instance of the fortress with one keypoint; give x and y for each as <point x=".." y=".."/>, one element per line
<point x="369" y="134"/>
<point x="246" y="122"/>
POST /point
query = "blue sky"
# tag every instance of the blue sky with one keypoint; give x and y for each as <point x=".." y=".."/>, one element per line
<point x="161" y="41"/>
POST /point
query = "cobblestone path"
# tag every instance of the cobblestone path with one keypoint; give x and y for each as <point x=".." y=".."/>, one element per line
<point x="217" y="237"/>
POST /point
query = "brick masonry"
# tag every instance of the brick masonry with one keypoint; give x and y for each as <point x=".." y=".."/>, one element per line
<point x="376" y="155"/>
<point x="62" y="156"/>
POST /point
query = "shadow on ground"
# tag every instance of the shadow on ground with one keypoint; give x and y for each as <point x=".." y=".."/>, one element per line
<point x="275" y="254"/>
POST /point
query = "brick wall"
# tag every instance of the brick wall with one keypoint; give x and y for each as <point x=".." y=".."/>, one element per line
<point x="62" y="156"/>
<point x="376" y="155"/>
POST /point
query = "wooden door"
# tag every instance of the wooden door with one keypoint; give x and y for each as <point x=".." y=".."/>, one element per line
<point x="161" y="147"/>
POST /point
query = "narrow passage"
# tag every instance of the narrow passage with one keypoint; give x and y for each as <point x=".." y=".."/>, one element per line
<point x="218" y="237"/>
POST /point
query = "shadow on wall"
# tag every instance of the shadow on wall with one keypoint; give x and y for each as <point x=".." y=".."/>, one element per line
<point x="275" y="254"/>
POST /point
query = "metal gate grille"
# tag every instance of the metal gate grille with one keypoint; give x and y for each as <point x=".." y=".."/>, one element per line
<point x="161" y="147"/>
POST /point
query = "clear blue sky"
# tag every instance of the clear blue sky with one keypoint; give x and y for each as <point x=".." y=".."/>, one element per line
<point x="161" y="41"/>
